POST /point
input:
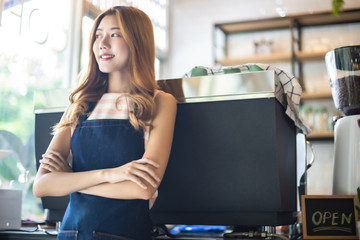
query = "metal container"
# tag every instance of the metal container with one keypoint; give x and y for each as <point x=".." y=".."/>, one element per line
<point x="343" y="67"/>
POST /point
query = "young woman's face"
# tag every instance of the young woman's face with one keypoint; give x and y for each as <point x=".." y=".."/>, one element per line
<point x="110" y="50"/>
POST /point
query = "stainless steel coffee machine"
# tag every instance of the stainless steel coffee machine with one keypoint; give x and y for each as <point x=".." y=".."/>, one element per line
<point x="343" y="67"/>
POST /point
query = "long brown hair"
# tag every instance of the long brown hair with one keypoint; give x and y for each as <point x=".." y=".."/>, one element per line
<point x="137" y="31"/>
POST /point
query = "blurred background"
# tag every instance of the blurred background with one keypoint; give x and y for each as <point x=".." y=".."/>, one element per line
<point x="43" y="46"/>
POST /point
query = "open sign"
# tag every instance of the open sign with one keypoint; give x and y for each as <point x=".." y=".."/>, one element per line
<point x="329" y="217"/>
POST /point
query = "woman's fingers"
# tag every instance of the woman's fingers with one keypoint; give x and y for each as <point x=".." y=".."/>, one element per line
<point x="49" y="161"/>
<point x="145" y="176"/>
<point x="54" y="157"/>
<point x="55" y="162"/>
<point x="148" y="166"/>
<point x="140" y="171"/>
<point x="48" y="167"/>
<point x="148" y="161"/>
<point x="137" y="181"/>
<point x="148" y="169"/>
<point x="57" y="155"/>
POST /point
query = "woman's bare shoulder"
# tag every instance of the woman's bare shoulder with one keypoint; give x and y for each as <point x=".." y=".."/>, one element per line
<point x="163" y="98"/>
<point x="165" y="104"/>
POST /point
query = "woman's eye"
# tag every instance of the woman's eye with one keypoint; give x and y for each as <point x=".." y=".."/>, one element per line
<point x="115" y="35"/>
<point x="97" y="36"/>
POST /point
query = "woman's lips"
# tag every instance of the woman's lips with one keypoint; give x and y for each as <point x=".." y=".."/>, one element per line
<point x="106" y="56"/>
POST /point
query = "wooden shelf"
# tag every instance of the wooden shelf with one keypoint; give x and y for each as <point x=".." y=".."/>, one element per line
<point x="311" y="56"/>
<point x="316" y="95"/>
<point x="317" y="135"/>
<point x="326" y="18"/>
<point x="276" y="57"/>
<point x="320" y="18"/>
<point x="255" y="25"/>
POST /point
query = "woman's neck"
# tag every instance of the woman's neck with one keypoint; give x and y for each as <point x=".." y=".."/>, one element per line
<point x="118" y="83"/>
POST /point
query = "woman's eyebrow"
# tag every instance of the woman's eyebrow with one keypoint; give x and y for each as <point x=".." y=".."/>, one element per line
<point x="113" y="28"/>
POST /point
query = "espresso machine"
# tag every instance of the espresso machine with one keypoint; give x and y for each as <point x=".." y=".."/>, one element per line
<point x="343" y="67"/>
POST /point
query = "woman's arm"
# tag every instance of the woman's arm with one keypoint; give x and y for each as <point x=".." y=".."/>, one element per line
<point x="55" y="183"/>
<point x="158" y="150"/>
<point x="55" y="176"/>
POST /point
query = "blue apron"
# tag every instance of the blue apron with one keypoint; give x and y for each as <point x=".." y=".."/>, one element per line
<point x="99" y="144"/>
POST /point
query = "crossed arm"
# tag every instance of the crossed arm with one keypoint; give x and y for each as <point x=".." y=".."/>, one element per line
<point x="138" y="179"/>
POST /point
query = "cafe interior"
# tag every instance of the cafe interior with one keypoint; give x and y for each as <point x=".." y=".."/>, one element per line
<point x="229" y="57"/>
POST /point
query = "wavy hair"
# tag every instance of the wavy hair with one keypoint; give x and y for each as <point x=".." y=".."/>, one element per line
<point x="137" y="31"/>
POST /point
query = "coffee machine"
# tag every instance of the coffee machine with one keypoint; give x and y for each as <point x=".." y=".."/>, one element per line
<point x="343" y="67"/>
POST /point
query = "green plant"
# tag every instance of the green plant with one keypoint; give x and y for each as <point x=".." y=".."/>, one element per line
<point x="337" y="7"/>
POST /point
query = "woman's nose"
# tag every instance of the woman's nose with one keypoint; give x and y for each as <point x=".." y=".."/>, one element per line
<point x="104" y="43"/>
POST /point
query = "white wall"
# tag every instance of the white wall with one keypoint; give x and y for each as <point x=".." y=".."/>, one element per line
<point x="191" y="25"/>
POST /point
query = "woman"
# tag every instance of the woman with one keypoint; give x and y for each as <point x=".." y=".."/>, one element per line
<point x="114" y="113"/>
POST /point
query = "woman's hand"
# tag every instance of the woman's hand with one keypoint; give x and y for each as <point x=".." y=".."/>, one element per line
<point x="136" y="171"/>
<point x="54" y="162"/>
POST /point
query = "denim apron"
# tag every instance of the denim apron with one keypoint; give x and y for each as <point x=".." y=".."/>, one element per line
<point x="99" y="144"/>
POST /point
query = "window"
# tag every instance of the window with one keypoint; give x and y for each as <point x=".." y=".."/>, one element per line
<point x="33" y="54"/>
